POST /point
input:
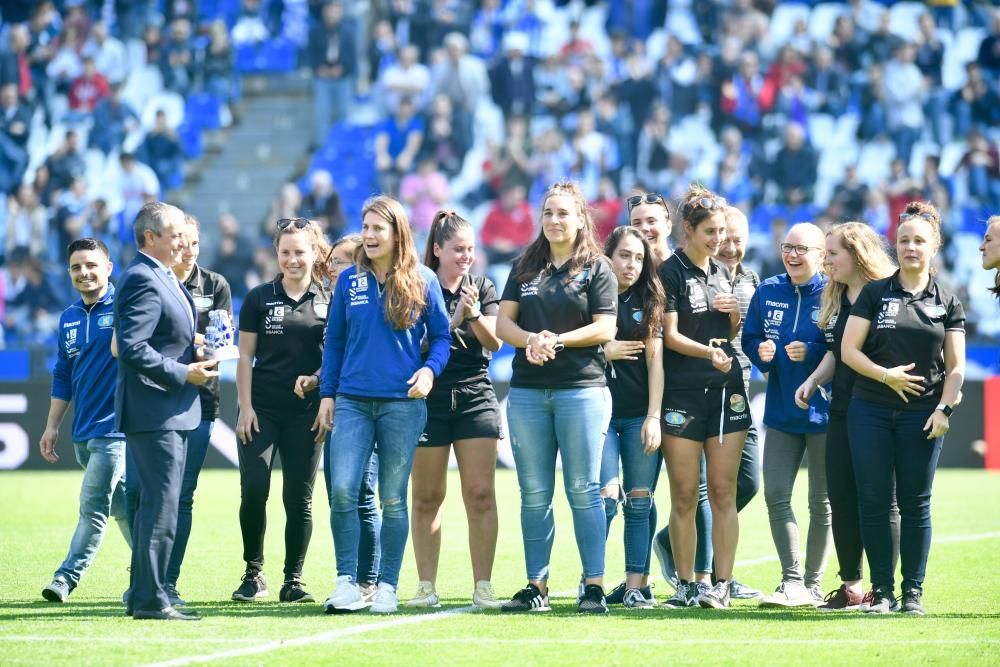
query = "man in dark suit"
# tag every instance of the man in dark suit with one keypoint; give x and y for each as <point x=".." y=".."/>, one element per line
<point x="156" y="401"/>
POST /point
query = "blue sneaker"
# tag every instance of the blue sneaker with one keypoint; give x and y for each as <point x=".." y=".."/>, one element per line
<point x="661" y="547"/>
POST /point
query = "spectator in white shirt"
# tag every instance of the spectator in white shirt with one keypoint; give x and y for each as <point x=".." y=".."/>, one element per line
<point x="108" y="53"/>
<point x="904" y="89"/>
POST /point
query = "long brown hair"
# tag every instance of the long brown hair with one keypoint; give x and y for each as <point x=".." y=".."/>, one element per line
<point x="538" y="255"/>
<point x="446" y="224"/>
<point x="321" y="247"/>
<point x="865" y="246"/>
<point x="405" y="289"/>
<point x="647" y="286"/>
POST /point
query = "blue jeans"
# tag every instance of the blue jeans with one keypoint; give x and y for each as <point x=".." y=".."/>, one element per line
<point x="639" y="473"/>
<point x="102" y="494"/>
<point x="330" y="100"/>
<point x="197" y="445"/>
<point x="369" y="552"/>
<point x="357" y="426"/>
<point x="570" y="422"/>
<point x="884" y="441"/>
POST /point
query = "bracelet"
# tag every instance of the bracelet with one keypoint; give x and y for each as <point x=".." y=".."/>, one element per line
<point x="885" y="373"/>
<point x="474" y="319"/>
<point x="656" y="417"/>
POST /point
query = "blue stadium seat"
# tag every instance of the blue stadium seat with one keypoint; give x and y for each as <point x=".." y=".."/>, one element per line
<point x="202" y="111"/>
<point x="190" y="138"/>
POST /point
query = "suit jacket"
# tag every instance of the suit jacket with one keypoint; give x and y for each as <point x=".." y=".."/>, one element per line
<point x="154" y="323"/>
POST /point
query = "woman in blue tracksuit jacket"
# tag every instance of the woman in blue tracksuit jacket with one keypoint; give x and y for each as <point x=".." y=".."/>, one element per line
<point x="383" y="307"/>
<point x="781" y="338"/>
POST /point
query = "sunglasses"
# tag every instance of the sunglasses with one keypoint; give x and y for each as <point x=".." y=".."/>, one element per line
<point x="903" y="217"/>
<point x="649" y="198"/>
<point x="299" y="223"/>
<point x="707" y="203"/>
<point x="788" y="249"/>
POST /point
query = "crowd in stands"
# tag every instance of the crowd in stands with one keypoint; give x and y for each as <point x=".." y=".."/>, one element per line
<point x="794" y="111"/>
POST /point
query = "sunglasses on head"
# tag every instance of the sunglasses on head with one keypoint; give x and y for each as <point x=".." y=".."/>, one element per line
<point x="299" y="223"/>
<point x="707" y="203"/>
<point x="649" y="198"/>
<point x="903" y="217"/>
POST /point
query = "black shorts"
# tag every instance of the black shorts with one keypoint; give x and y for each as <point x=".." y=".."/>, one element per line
<point x="700" y="414"/>
<point x="461" y="413"/>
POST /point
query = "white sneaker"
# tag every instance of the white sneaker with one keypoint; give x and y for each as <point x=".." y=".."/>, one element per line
<point x="484" y="597"/>
<point x="789" y="594"/>
<point x="386" y="600"/>
<point x="368" y="592"/>
<point x="346" y="597"/>
<point x="425" y="596"/>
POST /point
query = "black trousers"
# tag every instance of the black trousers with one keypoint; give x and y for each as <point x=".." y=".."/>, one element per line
<point x="287" y="434"/>
<point x="158" y="458"/>
<point x="843" y="491"/>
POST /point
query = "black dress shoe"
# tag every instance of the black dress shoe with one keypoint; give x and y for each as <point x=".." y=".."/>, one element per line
<point x="165" y="614"/>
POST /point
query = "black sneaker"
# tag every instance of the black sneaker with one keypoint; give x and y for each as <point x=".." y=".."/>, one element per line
<point x="254" y="586"/>
<point x="529" y="598"/>
<point x="684" y="596"/>
<point x="716" y="597"/>
<point x="883" y="601"/>
<point x="911" y="602"/>
<point x="593" y="601"/>
<point x="617" y="594"/>
<point x="292" y="591"/>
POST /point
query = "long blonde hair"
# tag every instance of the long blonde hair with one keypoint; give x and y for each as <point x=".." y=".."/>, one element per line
<point x="405" y="289"/>
<point x="866" y="248"/>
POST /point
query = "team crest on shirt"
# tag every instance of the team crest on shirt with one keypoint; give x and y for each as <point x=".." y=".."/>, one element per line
<point x="203" y="303"/>
<point x="69" y="343"/>
<point x="530" y="288"/>
<point x="887" y="316"/>
<point x="737" y="403"/>
<point x="697" y="297"/>
<point x="935" y="310"/>
<point x="582" y="276"/>
<point x="358" y="290"/>
<point x="274" y="320"/>
<point x="106" y="320"/>
<point x="814" y="315"/>
<point x="637" y="315"/>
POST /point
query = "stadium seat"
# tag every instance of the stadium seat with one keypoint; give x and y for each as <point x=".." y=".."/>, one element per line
<point x="961" y="50"/>
<point x="189" y="135"/>
<point x="682" y="25"/>
<point x="951" y="156"/>
<point x="904" y="18"/>
<point x="823" y="17"/>
<point x="203" y="111"/>
<point x="821" y="130"/>
<point x="142" y="83"/>
<point x="786" y="15"/>
<point x="170" y="102"/>
<point x="874" y="162"/>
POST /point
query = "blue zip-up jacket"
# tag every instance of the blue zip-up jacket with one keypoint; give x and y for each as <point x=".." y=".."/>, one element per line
<point x="363" y="355"/>
<point x="85" y="372"/>
<point x="783" y="312"/>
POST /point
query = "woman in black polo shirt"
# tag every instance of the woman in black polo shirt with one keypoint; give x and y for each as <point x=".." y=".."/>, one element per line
<point x="462" y="410"/>
<point x="557" y="309"/>
<point x="854" y="258"/>
<point x="635" y="378"/>
<point x="281" y="338"/>
<point x="706" y="409"/>
<point x="906" y="340"/>
<point x="990" y="249"/>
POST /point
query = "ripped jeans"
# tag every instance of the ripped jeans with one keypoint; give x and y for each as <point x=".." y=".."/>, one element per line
<point x="571" y="423"/>
<point x="639" y="474"/>
<point x="358" y="423"/>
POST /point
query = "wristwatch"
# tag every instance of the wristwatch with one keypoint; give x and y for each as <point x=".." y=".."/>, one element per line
<point x="946" y="409"/>
<point x="474" y="318"/>
<point x="559" y="346"/>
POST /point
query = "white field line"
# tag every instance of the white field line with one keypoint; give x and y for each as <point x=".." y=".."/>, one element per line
<point x="318" y="638"/>
<point x="332" y="635"/>
<point x="668" y="642"/>
<point x="122" y="640"/>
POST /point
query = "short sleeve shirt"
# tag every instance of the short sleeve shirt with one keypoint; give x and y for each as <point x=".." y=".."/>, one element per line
<point x="628" y="380"/>
<point x="469" y="361"/>
<point x="559" y="302"/>
<point x="906" y="328"/>
<point x="745" y="283"/>
<point x="843" y="375"/>
<point x="289" y="343"/>
<point x="690" y="293"/>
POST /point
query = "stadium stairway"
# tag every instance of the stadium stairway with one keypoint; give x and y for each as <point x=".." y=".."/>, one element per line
<point x="253" y="158"/>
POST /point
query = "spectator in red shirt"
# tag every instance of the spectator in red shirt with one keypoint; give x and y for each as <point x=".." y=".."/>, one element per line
<point x="88" y="89"/>
<point x="607" y="209"/>
<point x="508" y="227"/>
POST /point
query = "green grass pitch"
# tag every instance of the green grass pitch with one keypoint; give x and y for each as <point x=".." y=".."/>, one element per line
<point x="39" y="511"/>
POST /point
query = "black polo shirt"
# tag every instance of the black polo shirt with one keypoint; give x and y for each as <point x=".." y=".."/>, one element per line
<point x="629" y="380"/>
<point x="745" y="284"/>
<point x="906" y="328"/>
<point x="468" y="363"/>
<point x="843" y="375"/>
<point x="558" y="302"/>
<point x="289" y="343"/>
<point x="690" y="293"/>
<point x="210" y="291"/>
